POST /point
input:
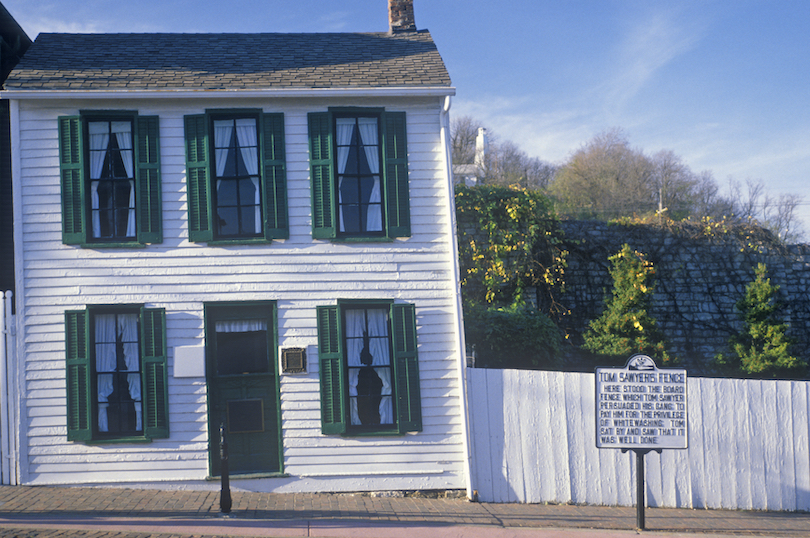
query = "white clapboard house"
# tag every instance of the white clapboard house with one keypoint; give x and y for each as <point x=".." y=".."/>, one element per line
<point x="248" y="233"/>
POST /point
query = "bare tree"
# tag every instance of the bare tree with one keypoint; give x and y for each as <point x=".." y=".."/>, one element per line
<point x="746" y="199"/>
<point x="463" y="131"/>
<point x="507" y="164"/>
<point x="504" y="163"/>
<point x="676" y="184"/>
<point x="779" y="215"/>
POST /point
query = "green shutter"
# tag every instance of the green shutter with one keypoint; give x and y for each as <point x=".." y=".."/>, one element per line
<point x="406" y="364"/>
<point x="397" y="197"/>
<point x="71" y="168"/>
<point x="274" y="177"/>
<point x="149" y="218"/>
<point x="77" y="364"/>
<point x="333" y="400"/>
<point x="322" y="175"/>
<point x="197" y="177"/>
<point x="155" y="374"/>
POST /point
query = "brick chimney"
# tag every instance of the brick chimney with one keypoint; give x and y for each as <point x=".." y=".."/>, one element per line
<point x="400" y="16"/>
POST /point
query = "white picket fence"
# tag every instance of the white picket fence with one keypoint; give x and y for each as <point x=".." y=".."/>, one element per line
<point x="533" y="440"/>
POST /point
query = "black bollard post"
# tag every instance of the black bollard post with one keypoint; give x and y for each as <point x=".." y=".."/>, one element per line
<point x="641" y="502"/>
<point x="225" y="494"/>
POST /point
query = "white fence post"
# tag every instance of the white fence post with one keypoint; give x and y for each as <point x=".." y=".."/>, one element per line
<point x="8" y="473"/>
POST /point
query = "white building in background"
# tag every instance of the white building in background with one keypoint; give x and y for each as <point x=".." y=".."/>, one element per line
<point x="470" y="174"/>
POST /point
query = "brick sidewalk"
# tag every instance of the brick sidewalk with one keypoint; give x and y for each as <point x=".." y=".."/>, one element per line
<point x="30" y="505"/>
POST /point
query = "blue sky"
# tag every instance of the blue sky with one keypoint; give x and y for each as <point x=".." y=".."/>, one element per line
<point x="725" y="84"/>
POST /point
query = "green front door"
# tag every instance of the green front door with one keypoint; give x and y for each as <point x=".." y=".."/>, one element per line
<point x="243" y="392"/>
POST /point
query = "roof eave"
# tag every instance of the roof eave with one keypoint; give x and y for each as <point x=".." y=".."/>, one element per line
<point x="394" y="91"/>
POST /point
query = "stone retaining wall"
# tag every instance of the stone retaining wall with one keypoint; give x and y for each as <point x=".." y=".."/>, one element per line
<point x="698" y="281"/>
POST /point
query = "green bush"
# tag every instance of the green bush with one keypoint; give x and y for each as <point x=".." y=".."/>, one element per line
<point x="762" y="349"/>
<point x="625" y="327"/>
<point x="512" y="337"/>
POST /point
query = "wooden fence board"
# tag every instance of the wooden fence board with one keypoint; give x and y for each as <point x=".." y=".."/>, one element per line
<point x="533" y="441"/>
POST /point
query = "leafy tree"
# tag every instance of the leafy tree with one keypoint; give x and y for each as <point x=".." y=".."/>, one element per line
<point x="509" y="241"/>
<point x="625" y="327"/>
<point x="606" y="178"/>
<point x="762" y="349"/>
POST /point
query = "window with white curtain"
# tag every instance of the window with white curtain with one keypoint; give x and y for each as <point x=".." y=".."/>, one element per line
<point x="118" y="374"/>
<point x="112" y="180"/>
<point x="368" y="357"/>
<point x="237" y="192"/>
<point x="357" y="141"/>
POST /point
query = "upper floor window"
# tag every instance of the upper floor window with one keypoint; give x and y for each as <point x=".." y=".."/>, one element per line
<point x="110" y="178"/>
<point x="237" y="196"/>
<point x="236" y="176"/>
<point x="359" y="173"/>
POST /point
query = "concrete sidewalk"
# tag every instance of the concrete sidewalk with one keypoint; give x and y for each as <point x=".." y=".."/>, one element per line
<point x="118" y="513"/>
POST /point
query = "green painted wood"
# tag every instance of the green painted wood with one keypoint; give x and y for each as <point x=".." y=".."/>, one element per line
<point x="71" y="167"/>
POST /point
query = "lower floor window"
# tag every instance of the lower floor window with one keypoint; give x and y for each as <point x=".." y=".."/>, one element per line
<point x="368" y="358"/>
<point x="117" y="383"/>
<point x="369" y="368"/>
<point x="118" y="373"/>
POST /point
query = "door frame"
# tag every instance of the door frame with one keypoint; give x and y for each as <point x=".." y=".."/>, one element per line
<point x="236" y="310"/>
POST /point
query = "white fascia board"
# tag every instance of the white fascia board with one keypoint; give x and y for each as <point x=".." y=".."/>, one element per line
<point x="431" y="91"/>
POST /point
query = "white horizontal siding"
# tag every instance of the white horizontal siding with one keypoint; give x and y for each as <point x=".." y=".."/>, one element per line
<point x="299" y="273"/>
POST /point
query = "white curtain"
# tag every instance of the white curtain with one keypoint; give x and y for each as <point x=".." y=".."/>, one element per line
<point x="345" y="128"/>
<point x="368" y="134"/>
<point x="378" y="347"/>
<point x="246" y="134"/>
<point x="123" y="135"/>
<point x="99" y="143"/>
<point x="223" y="131"/>
<point x="128" y="329"/>
<point x="99" y="140"/>
<point x="105" y="362"/>
<point x="241" y="326"/>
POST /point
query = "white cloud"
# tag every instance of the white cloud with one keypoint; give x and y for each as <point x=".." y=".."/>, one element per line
<point x="335" y="21"/>
<point x="650" y="45"/>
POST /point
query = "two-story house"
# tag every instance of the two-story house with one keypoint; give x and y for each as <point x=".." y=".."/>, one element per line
<point x="251" y="233"/>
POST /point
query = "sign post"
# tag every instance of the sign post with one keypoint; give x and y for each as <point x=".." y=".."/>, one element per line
<point x="641" y="408"/>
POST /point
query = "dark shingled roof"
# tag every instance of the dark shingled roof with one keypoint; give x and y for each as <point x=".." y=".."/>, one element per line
<point x="229" y="61"/>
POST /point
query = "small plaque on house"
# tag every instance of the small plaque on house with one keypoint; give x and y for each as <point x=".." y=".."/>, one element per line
<point x="294" y="360"/>
<point x="641" y="406"/>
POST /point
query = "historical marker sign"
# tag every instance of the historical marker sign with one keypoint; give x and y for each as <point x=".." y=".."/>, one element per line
<point x="641" y="406"/>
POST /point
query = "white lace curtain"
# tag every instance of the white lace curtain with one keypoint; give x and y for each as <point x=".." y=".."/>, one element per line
<point x="241" y="326"/>
<point x="99" y="144"/>
<point x="369" y="139"/>
<point x="107" y="331"/>
<point x="378" y="347"/>
<point x="248" y="147"/>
